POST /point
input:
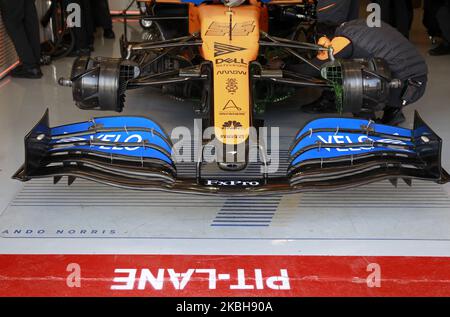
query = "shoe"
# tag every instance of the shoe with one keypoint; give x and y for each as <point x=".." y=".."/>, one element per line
<point x="325" y="104"/>
<point x="30" y="73"/>
<point x="440" y="50"/>
<point x="17" y="70"/>
<point x="108" y="34"/>
<point x="393" y="116"/>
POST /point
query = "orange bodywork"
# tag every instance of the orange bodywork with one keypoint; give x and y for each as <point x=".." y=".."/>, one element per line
<point x="231" y="55"/>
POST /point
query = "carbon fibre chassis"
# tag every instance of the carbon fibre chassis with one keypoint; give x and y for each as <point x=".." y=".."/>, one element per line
<point x="419" y="159"/>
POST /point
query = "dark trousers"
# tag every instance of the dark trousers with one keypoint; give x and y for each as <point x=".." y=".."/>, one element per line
<point x="101" y="15"/>
<point x="21" y="23"/>
<point x="443" y="18"/>
<point x="398" y="13"/>
<point x="84" y="35"/>
<point x="430" y="9"/>
<point x="353" y="12"/>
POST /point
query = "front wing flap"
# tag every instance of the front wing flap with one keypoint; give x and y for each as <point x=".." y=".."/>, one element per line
<point x="327" y="154"/>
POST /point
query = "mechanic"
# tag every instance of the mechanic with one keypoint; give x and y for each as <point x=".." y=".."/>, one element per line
<point x="443" y="18"/>
<point x="21" y="23"/>
<point x="102" y="17"/>
<point x="337" y="11"/>
<point x="355" y="39"/>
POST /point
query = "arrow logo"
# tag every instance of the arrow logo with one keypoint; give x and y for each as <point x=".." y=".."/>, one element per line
<point x="231" y="105"/>
<point x="222" y="49"/>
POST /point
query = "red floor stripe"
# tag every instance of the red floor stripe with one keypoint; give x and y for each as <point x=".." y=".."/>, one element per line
<point x="214" y="275"/>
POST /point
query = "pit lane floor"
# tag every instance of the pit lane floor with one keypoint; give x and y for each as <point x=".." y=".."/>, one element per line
<point x="87" y="218"/>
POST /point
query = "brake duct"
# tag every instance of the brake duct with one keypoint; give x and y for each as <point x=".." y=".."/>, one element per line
<point x="328" y="153"/>
<point x="100" y="83"/>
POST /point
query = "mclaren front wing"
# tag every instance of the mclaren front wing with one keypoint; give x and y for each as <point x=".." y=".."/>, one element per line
<point x="327" y="153"/>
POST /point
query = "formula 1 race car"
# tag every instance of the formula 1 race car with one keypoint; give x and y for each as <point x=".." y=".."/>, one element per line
<point x="227" y="57"/>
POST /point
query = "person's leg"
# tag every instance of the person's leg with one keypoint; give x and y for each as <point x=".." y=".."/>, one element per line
<point x="95" y="17"/>
<point x="430" y="7"/>
<point x="32" y="29"/>
<point x="87" y="27"/>
<point x="443" y="18"/>
<point x="385" y="8"/>
<point x="410" y="10"/>
<point x="353" y="12"/>
<point x="13" y="17"/>
<point x="403" y="15"/>
<point x="104" y="18"/>
<point x="84" y="33"/>
<point x="90" y="28"/>
<point x="77" y="31"/>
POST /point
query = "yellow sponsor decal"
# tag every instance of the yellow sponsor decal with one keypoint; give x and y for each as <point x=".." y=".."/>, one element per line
<point x="237" y="29"/>
<point x="231" y="56"/>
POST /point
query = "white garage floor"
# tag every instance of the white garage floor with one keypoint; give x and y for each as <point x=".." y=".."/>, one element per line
<point x="39" y="217"/>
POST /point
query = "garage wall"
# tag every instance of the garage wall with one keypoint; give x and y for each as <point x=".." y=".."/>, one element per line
<point x="8" y="56"/>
